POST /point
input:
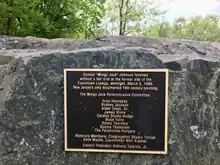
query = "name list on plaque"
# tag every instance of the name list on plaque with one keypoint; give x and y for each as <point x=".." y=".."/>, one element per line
<point x="116" y="110"/>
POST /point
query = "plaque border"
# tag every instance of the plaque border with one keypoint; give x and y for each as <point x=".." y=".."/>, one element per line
<point x="111" y="150"/>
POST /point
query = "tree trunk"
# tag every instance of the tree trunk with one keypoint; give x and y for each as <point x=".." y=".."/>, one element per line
<point x="9" y="25"/>
<point x="9" y="22"/>
<point x="121" y="17"/>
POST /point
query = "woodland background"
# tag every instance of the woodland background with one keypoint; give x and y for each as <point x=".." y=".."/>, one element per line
<point x="86" y="19"/>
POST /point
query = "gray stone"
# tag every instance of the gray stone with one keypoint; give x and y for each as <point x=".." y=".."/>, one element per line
<point x="31" y="99"/>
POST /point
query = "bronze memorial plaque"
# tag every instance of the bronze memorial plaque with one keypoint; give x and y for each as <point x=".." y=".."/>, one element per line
<point x="116" y="110"/>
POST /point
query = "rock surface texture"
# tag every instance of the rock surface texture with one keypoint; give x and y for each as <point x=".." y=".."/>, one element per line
<point x="31" y="97"/>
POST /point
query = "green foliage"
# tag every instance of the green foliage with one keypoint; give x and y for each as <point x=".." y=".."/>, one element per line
<point x="84" y="19"/>
<point x="50" y="18"/>
<point x="196" y="28"/>
<point x="128" y="16"/>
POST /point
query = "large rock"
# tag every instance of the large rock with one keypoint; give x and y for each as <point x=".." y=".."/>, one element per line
<point x="31" y="97"/>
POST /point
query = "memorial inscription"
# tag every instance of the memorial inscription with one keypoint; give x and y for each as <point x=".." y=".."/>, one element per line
<point x="116" y="110"/>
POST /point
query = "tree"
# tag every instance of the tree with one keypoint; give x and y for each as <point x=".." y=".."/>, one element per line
<point x="195" y="28"/>
<point x="130" y="16"/>
<point x="178" y="27"/>
<point x="50" y="18"/>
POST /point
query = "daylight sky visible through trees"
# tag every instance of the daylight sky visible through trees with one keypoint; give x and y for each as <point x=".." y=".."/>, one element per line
<point x="188" y="19"/>
<point x="188" y="8"/>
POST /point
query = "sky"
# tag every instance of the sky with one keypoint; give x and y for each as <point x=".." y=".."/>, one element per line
<point x="177" y="8"/>
<point x="189" y="8"/>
